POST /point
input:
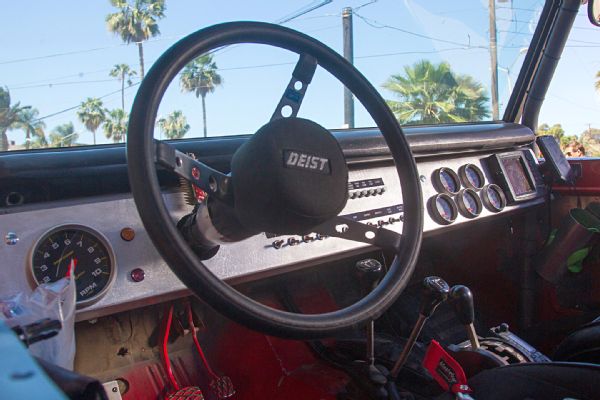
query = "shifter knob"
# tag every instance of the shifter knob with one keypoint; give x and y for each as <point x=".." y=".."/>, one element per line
<point x="462" y="299"/>
<point x="435" y="292"/>
<point x="369" y="273"/>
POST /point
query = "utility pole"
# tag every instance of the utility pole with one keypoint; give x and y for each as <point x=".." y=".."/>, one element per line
<point x="494" y="59"/>
<point x="348" y="55"/>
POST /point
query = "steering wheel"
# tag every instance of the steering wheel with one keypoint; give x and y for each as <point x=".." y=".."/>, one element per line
<point x="289" y="177"/>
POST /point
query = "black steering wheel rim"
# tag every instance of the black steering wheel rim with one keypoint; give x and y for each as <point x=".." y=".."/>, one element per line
<point x="172" y="246"/>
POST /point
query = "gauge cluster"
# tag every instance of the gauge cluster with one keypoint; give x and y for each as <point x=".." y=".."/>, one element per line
<point x="116" y="267"/>
<point x="465" y="193"/>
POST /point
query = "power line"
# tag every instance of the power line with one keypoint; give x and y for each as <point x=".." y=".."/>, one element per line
<point x="402" y="53"/>
<point x="77" y="106"/>
<point x="528" y="22"/>
<point x="379" y="25"/>
<point x="83" y="51"/>
<point x="64" y="83"/>
<point x="302" y="11"/>
<point x="368" y="3"/>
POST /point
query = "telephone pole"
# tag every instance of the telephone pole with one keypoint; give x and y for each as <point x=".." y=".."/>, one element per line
<point x="494" y="59"/>
<point x="348" y="55"/>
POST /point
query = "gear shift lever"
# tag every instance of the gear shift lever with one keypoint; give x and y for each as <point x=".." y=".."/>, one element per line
<point x="369" y="274"/>
<point x="462" y="300"/>
<point x="435" y="291"/>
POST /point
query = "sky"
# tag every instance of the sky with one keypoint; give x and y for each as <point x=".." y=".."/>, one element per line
<point x="54" y="55"/>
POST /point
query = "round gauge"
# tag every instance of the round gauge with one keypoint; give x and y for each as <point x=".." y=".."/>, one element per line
<point x="445" y="180"/>
<point x="81" y="248"/>
<point x="471" y="176"/>
<point x="493" y="198"/>
<point x="442" y="209"/>
<point x="469" y="203"/>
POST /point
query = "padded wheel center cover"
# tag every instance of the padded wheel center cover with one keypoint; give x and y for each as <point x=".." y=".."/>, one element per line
<point x="289" y="177"/>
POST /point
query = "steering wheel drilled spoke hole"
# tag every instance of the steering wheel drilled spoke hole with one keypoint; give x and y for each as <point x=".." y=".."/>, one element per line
<point x="342" y="228"/>
<point x="286" y="111"/>
<point x="370" y="235"/>
<point x="298" y="85"/>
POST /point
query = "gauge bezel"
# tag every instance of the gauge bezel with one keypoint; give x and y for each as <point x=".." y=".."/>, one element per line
<point x="486" y="199"/>
<point x="463" y="208"/>
<point x="99" y="237"/>
<point x="435" y="214"/>
<point x="437" y="181"/>
<point x="464" y="178"/>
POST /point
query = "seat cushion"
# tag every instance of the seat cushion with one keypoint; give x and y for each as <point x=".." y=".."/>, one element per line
<point x="583" y="345"/>
<point x="543" y="381"/>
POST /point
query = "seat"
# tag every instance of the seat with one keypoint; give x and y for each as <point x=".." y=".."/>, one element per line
<point x="537" y="381"/>
<point x="583" y="345"/>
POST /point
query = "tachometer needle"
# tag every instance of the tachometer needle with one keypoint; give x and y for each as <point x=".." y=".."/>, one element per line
<point x="69" y="254"/>
<point x="71" y="269"/>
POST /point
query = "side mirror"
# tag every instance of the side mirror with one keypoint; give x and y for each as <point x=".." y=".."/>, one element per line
<point x="593" y="8"/>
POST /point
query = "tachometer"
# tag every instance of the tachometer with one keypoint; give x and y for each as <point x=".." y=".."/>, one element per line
<point x="469" y="203"/>
<point x="493" y="198"/>
<point x="442" y="209"/>
<point x="79" y="247"/>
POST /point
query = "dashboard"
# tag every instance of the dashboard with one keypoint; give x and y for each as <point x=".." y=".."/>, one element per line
<point x="101" y="238"/>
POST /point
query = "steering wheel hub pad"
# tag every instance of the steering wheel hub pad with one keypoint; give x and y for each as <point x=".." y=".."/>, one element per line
<point x="289" y="177"/>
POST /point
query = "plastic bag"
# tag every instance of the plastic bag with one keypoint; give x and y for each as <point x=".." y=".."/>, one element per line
<point x="54" y="300"/>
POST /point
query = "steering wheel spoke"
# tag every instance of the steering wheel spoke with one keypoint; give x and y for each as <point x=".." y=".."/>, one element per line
<point x="294" y="93"/>
<point x="213" y="182"/>
<point x="347" y="229"/>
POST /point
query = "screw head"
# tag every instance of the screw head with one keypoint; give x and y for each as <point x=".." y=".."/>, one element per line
<point x="11" y="238"/>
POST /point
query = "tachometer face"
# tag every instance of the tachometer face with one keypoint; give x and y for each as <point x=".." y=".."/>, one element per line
<point x="471" y="176"/>
<point x="493" y="198"/>
<point x="443" y="209"/>
<point x="446" y="181"/>
<point x="81" y="248"/>
<point x="469" y="203"/>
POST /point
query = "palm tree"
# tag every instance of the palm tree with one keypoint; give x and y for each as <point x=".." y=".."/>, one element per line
<point x="30" y="123"/>
<point x="115" y="126"/>
<point x="136" y="22"/>
<point x="10" y="117"/>
<point x="63" y="136"/>
<point x="174" y="126"/>
<point x="200" y="77"/>
<point x="597" y="83"/>
<point x="124" y="73"/>
<point x="92" y="114"/>
<point x="39" y="142"/>
<point x="433" y="94"/>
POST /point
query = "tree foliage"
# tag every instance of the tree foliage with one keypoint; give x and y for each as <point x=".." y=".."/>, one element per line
<point x="115" y="126"/>
<point x="11" y="116"/>
<point x="92" y="114"/>
<point x="136" y="22"/>
<point x="174" y="126"/>
<point x="431" y="94"/>
<point x="63" y="135"/>
<point x="124" y="73"/>
<point x="201" y="77"/>
<point x="558" y="132"/>
<point x="30" y="123"/>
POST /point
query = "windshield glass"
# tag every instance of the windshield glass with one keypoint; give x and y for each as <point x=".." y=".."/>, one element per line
<point x="69" y="71"/>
